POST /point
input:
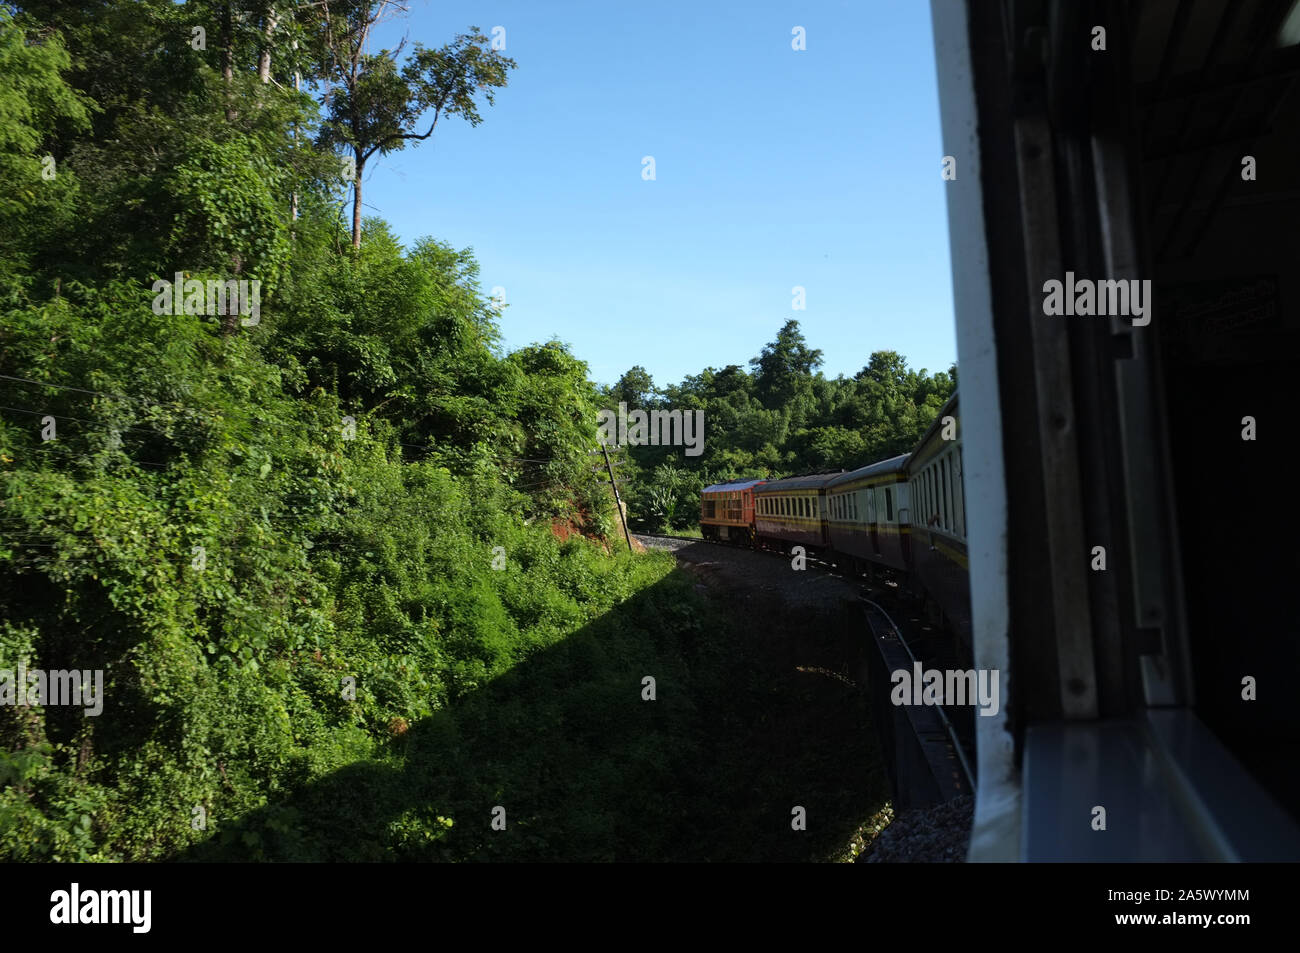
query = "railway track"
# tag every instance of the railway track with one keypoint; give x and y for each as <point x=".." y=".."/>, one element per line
<point x="943" y="742"/>
<point x="947" y="741"/>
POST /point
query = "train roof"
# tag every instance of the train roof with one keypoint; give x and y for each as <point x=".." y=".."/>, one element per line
<point x="883" y="466"/>
<point x="948" y="409"/>
<point x="812" y="481"/>
<point x="731" y="486"/>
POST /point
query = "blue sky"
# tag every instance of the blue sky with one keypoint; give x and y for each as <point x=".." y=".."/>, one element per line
<point x="774" y="168"/>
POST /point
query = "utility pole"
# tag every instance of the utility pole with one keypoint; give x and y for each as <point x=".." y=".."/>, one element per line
<point x="618" y="502"/>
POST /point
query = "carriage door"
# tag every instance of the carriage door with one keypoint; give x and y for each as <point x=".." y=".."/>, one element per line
<point x="904" y="518"/>
<point x="871" y="520"/>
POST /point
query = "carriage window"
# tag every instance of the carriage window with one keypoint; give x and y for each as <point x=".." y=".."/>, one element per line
<point x="889" y="505"/>
<point x="952" y="492"/>
<point x="943" y="495"/>
<point x="961" y="497"/>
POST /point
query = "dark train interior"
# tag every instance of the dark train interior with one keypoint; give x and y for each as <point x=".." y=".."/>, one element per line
<point x="1213" y="92"/>
<point x="1147" y="141"/>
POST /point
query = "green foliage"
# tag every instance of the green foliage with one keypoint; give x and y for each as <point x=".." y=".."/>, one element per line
<point x="234" y="215"/>
<point x="205" y="527"/>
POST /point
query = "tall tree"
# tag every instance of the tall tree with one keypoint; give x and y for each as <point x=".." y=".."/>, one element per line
<point x="377" y="107"/>
<point x="636" y="387"/>
<point x="785" y="367"/>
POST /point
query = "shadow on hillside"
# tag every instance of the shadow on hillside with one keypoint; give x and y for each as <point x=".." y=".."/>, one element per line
<point x="750" y="720"/>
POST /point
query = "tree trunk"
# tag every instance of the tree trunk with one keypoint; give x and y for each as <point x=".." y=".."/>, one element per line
<point x="356" y="204"/>
<point x="264" y="59"/>
<point x="228" y="60"/>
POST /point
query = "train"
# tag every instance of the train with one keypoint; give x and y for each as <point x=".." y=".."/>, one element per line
<point x="902" y="518"/>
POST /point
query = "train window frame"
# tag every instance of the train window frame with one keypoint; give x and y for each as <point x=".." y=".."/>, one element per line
<point x="933" y="471"/>
<point x="959" y="493"/>
<point x="952" y="504"/>
<point x="936" y="496"/>
<point x="943" y="493"/>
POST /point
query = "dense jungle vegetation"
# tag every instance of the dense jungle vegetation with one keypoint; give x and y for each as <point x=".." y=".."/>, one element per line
<point x="342" y="559"/>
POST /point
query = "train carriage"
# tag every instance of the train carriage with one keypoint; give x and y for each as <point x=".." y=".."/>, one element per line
<point x="727" y="511"/>
<point x="939" y="557"/>
<point x="792" y="512"/>
<point x="869" y="514"/>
